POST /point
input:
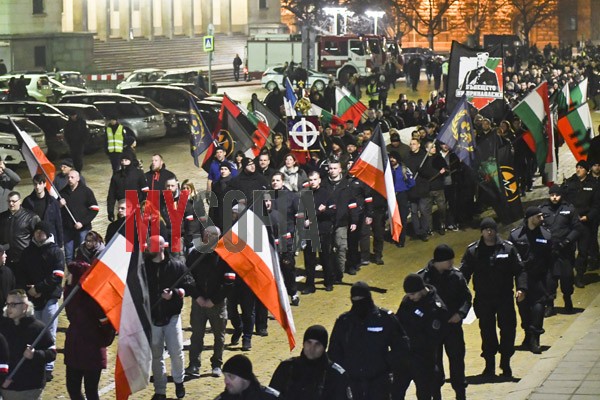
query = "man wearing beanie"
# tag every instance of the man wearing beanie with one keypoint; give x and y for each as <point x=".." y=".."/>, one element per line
<point x="312" y="375"/>
<point x="40" y="274"/>
<point x="369" y="343"/>
<point x="534" y="244"/>
<point x="452" y="288"/>
<point x="424" y="316"/>
<point x="240" y="382"/>
<point x="562" y="219"/>
<point x="127" y="178"/>
<point x="583" y="192"/>
<point x="495" y="266"/>
<point x="214" y="172"/>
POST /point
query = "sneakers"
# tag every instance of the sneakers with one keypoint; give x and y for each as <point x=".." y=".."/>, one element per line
<point x="235" y="338"/>
<point x="379" y="261"/>
<point x="193" y="370"/>
<point x="329" y="288"/>
<point x="453" y="228"/>
<point x="246" y="344"/>
<point x="216" y="372"/>
<point x="549" y="311"/>
<point x="295" y="300"/>
<point x="365" y="262"/>
<point x="262" y="332"/>
<point x="179" y="390"/>
<point x="351" y="271"/>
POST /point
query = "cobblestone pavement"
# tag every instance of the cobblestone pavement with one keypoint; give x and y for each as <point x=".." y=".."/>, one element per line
<point x="322" y="307"/>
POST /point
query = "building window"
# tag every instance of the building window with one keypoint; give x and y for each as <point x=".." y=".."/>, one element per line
<point x="262" y="4"/>
<point x="115" y="5"/>
<point x="38" y="6"/>
<point x="39" y="56"/>
<point x="572" y="24"/>
<point x="136" y="5"/>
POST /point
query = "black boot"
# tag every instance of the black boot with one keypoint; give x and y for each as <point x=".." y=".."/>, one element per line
<point x="579" y="280"/>
<point x="549" y="311"/>
<point x="490" y="367"/>
<point x="526" y="340"/>
<point x="568" y="304"/>
<point x="534" y="343"/>
<point x="505" y="366"/>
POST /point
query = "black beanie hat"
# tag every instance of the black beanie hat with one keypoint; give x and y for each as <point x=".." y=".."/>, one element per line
<point x="443" y="252"/>
<point x="360" y="289"/>
<point x="240" y="365"/>
<point x="246" y="161"/>
<point x="226" y="164"/>
<point x="531" y="211"/>
<point x="583" y="164"/>
<point x="413" y="283"/>
<point x="68" y="162"/>
<point x="43" y="226"/>
<point x="554" y="189"/>
<point x="488" y="223"/>
<point x="318" y="333"/>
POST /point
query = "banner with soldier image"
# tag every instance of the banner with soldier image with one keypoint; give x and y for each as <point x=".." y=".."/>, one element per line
<point x="477" y="74"/>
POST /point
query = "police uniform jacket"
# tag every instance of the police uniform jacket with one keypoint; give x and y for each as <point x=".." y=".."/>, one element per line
<point x="562" y="220"/>
<point x="254" y="392"/>
<point x="299" y="378"/>
<point x="425" y="321"/>
<point x="452" y="288"/>
<point x="371" y="347"/>
<point x="584" y="195"/>
<point x="493" y="276"/>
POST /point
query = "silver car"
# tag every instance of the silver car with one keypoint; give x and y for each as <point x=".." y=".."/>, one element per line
<point x="141" y="118"/>
<point x="9" y="146"/>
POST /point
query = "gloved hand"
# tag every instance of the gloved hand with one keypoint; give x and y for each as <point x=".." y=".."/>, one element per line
<point x="564" y="244"/>
<point x="111" y="217"/>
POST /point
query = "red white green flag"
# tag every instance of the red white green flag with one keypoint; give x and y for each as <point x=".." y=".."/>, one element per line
<point x="579" y="93"/>
<point x="347" y="106"/>
<point x="577" y="129"/>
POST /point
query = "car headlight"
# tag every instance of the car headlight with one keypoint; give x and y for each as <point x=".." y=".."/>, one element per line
<point x="368" y="70"/>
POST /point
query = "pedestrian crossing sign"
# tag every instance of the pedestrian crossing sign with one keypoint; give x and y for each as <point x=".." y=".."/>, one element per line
<point x="209" y="43"/>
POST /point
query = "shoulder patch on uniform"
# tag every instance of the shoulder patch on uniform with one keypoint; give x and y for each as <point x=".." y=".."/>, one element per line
<point x="338" y="368"/>
<point x="473" y="244"/>
<point x="514" y="229"/>
<point x="508" y="242"/>
<point x="272" y="391"/>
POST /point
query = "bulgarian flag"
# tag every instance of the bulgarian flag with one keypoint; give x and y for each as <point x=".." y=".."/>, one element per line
<point x="578" y="130"/>
<point x="117" y="282"/>
<point x="534" y="111"/>
<point x="373" y="168"/>
<point x="325" y="117"/>
<point x="347" y="106"/>
<point x="579" y="93"/>
<point x="250" y="254"/>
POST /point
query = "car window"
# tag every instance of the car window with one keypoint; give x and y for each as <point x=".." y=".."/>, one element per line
<point x="279" y="70"/>
<point x="5" y="108"/>
<point x="27" y="126"/>
<point x="130" y="110"/>
<point x="148" y="109"/>
<point x="172" y="99"/>
<point x="107" y="109"/>
<point x="43" y="81"/>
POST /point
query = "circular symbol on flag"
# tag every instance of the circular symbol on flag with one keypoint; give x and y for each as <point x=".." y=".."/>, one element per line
<point x="304" y="133"/>
<point x="226" y="141"/>
<point x="261" y="117"/>
<point x="509" y="181"/>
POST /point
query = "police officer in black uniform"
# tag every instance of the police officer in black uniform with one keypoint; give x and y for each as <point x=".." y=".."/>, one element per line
<point x="241" y="383"/>
<point x="424" y="316"/>
<point x="452" y="288"/>
<point x="534" y="244"/>
<point x="496" y="268"/>
<point x="582" y="191"/>
<point x="369" y="343"/>
<point x="562" y="219"/>
<point x="312" y="375"/>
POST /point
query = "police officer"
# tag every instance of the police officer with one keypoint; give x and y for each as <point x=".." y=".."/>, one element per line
<point x="369" y="343"/>
<point x="424" y="316"/>
<point x="562" y="219"/>
<point x="312" y="375"/>
<point x="534" y="244"/>
<point x="241" y="383"/>
<point x="452" y="288"/>
<point x="494" y="264"/>
<point x="582" y="191"/>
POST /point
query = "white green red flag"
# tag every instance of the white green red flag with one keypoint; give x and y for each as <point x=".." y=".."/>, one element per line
<point x="325" y="117"/>
<point x="118" y="284"/>
<point x="347" y="106"/>
<point x="577" y="129"/>
<point x="373" y="168"/>
<point x="579" y="93"/>
<point x="248" y="250"/>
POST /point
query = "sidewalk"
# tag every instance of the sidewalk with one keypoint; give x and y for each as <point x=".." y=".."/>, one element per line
<point x="571" y="368"/>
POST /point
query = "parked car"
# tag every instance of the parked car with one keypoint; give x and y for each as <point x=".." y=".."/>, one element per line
<point x="410" y="52"/>
<point x="59" y="89"/>
<point x="9" y="146"/>
<point x="140" y="118"/>
<point x="38" y="86"/>
<point x="95" y="122"/>
<point x="273" y="77"/>
<point x="49" y="118"/>
<point x="70" y="78"/>
<point x="185" y="75"/>
<point x="141" y="76"/>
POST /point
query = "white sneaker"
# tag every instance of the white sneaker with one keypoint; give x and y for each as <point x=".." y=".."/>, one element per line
<point x="216" y="372"/>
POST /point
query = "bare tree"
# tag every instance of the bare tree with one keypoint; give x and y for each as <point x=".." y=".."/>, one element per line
<point x="531" y="13"/>
<point x="476" y="15"/>
<point x="426" y="17"/>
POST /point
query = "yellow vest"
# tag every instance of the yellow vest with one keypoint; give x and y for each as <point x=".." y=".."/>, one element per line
<point x="115" y="140"/>
<point x="372" y="91"/>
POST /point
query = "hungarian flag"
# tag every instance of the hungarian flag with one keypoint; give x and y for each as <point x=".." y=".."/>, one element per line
<point x="248" y="250"/>
<point x="234" y="131"/>
<point x="200" y="137"/>
<point x="578" y="130"/>
<point x="347" y="106"/>
<point x="579" y="93"/>
<point x="373" y="168"/>
<point x="325" y="117"/>
<point x="289" y="98"/>
<point x="118" y="284"/>
<point x="534" y="111"/>
<point x="36" y="160"/>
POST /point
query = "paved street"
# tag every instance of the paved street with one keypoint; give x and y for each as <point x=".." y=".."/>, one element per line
<point x="323" y="308"/>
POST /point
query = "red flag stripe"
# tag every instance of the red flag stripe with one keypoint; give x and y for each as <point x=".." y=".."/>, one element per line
<point x="36" y="160"/>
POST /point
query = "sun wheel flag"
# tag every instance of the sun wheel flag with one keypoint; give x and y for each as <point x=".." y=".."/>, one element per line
<point x="373" y="168"/>
<point x="249" y="252"/>
<point x="118" y="284"/>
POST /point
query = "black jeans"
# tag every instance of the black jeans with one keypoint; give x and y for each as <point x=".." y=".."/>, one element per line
<point x="242" y="295"/>
<point x="325" y="259"/>
<point x="90" y="380"/>
<point x="454" y="344"/>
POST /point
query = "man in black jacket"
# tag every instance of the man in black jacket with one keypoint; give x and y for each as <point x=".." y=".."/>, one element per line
<point x="8" y="180"/>
<point x="158" y="175"/>
<point x="369" y="343"/>
<point x="420" y="201"/>
<point x="241" y="383"/>
<point x="46" y="207"/>
<point x="127" y="178"/>
<point x="534" y="244"/>
<point x="16" y="228"/>
<point x="496" y="268"/>
<point x="76" y="135"/>
<point x="424" y="316"/>
<point x="214" y="279"/>
<point x="7" y="278"/>
<point x="312" y="375"/>
<point x="452" y="288"/>
<point x="248" y="181"/>
<point x="162" y="273"/>
<point x="40" y="273"/>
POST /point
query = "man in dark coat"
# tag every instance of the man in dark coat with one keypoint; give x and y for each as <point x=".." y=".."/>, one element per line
<point x="46" y="207"/>
<point x="7" y="278"/>
<point x="248" y="181"/>
<point x="8" y="180"/>
<point x="237" y="63"/>
<point x="241" y="383"/>
<point x="127" y="178"/>
<point x="158" y="175"/>
<point x="16" y="228"/>
<point x="312" y="375"/>
<point x="76" y="134"/>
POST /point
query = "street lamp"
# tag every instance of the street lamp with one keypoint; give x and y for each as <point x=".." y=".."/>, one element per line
<point x="375" y="15"/>
<point x="334" y="11"/>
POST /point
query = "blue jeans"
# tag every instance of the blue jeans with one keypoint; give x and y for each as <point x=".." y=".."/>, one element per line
<point x="73" y="239"/>
<point x="44" y="315"/>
